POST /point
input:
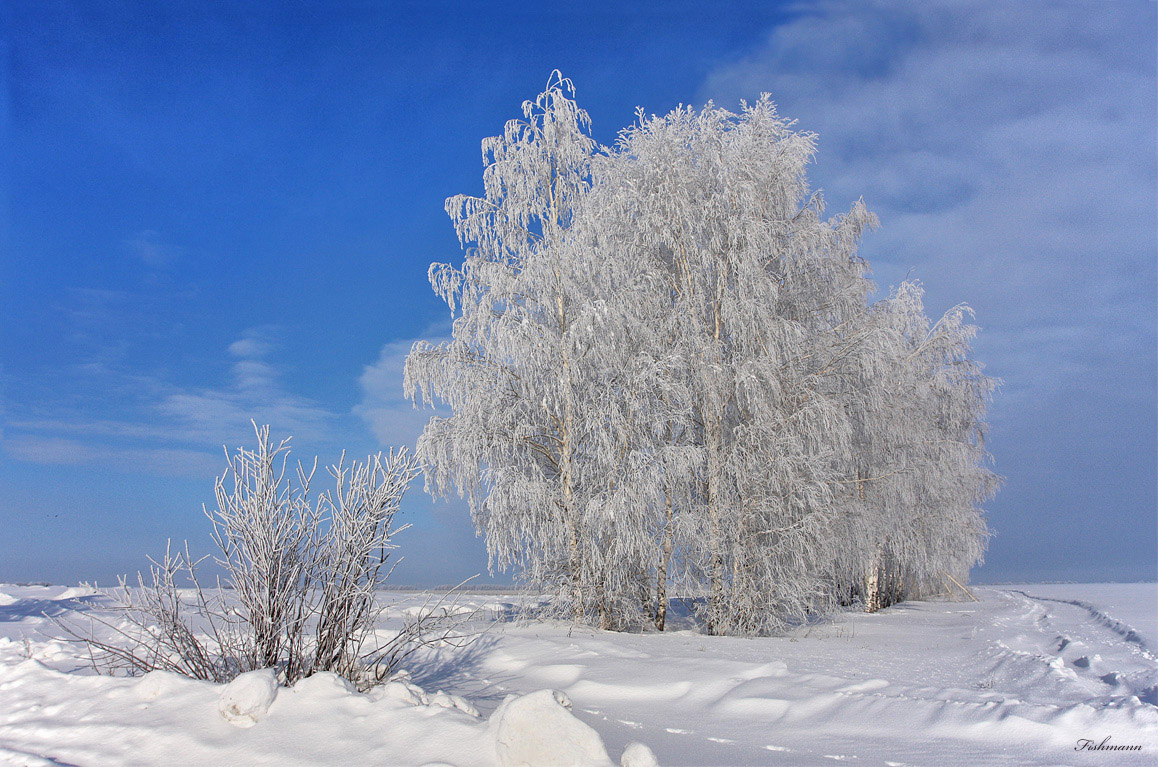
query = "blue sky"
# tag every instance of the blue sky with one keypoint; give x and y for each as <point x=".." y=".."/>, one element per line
<point x="223" y="211"/>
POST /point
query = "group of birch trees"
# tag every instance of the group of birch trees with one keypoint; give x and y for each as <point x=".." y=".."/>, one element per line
<point x="666" y="379"/>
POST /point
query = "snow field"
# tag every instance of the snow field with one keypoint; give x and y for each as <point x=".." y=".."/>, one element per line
<point x="1019" y="677"/>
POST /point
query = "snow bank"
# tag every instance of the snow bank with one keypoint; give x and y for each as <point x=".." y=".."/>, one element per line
<point x="324" y="684"/>
<point x="446" y="700"/>
<point x="539" y="730"/>
<point x="77" y="592"/>
<point x="157" y="683"/>
<point x="401" y="692"/>
<point x="638" y="755"/>
<point x="247" y="698"/>
<point x="1024" y="675"/>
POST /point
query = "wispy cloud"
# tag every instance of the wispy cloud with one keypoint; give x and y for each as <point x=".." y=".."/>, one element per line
<point x="40" y="448"/>
<point x="257" y="392"/>
<point x="392" y="417"/>
<point x="148" y="246"/>
<point x="168" y="429"/>
<point x="1009" y="150"/>
<point x="255" y="343"/>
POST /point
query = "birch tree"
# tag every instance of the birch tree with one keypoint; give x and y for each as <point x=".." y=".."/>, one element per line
<point x="513" y="372"/>
<point x="756" y="286"/>
<point x="665" y="374"/>
<point x="911" y="518"/>
<point x="937" y="530"/>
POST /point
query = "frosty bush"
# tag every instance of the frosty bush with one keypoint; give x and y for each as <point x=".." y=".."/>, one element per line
<point x="298" y="594"/>
<point x="666" y="376"/>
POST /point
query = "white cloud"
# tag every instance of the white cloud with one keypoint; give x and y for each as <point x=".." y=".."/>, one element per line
<point x="148" y="246"/>
<point x="167" y="461"/>
<point x="257" y="393"/>
<point x="172" y="430"/>
<point x="392" y="417"/>
<point x="255" y="343"/>
<point x="1009" y="151"/>
<point x="37" y="448"/>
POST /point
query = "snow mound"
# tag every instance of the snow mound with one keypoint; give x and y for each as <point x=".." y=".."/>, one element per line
<point x="397" y="691"/>
<point x="246" y="699"/>
<point x="440" y="611"/>
<point x="325" y="684"/>
<point x="157" y="683"/>
<point x="49" y="650"/>
<point x="441" y="698"/>
<point x="7" y="599"/>
<point x="537" y="730"/>
<point x="401" y="690"/>
<point x="638" y="755"/>
<point x="77" y="592"/>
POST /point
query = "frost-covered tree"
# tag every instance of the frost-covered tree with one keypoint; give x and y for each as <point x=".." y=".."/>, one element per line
<point x="757" y="287"/>
<point x="665" y="374"/>
<point x="911" y="519"/>
<point x="936" y="530"/>
<point x="301" y="581"/>
<point x="514" y="374"/>
<point x="638" y="376"/>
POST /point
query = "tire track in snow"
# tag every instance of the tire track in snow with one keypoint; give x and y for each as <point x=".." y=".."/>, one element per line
<point x="1127" y="633"/>
<point x="1104" y="631"/>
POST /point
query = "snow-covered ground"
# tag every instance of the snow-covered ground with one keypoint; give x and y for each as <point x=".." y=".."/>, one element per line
<point x="1021" y="677"/>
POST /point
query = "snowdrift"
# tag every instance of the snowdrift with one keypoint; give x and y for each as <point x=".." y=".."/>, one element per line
<point x="1026" y="675"/>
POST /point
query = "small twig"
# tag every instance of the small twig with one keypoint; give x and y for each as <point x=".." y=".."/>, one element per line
<point x="967" y="591"/>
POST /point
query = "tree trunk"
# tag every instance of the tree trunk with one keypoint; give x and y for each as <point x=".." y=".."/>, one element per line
<point x="872" y="585"/>
<point x="715" y="534"/>
<point x="739" y="560"/>
<point x="574" y="556"/>
<point x="566" y="457"/>
<point x="661" y="576"/>
<point x="715" y="445"/>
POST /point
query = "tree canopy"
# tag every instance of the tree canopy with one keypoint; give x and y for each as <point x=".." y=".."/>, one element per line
<point x="666" y="376"/>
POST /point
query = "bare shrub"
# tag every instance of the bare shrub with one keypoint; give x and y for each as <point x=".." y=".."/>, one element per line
<point x="267" y="531"/>
<point x="299" y="586"/>
<point x="163" y="625"/>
